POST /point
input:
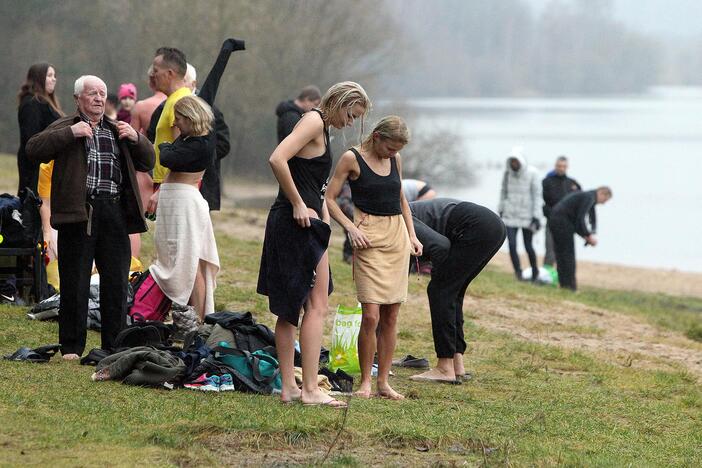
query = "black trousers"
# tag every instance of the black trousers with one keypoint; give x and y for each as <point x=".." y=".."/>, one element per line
<point x="514" y="255"/>
<point x="564" y="245"/>
<point x="476" y="234"/>
<point x="107" y="244"/>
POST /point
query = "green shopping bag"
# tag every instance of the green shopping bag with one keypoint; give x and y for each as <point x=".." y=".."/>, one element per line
<point x="344" y="348"/>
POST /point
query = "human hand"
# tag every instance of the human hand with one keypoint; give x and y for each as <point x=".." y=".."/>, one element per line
<point x="127" y="131"/>
<point x="591" y="240"/>
<point x="417" y="247"/>
<point x="358" y="239"/>
<point x="153" y="203"/>
<point x="81" y="129"/>
<point x="500" y="214"/>
<point x="535" y="224"/>
<point x="231" y="45"/>
<point x="301" y="215"/>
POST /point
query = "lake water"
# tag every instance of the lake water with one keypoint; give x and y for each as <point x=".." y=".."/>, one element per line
<point x="648" y="149"/>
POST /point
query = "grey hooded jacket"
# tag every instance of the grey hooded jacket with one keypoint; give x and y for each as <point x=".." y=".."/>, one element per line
<point x="520" y="197"/>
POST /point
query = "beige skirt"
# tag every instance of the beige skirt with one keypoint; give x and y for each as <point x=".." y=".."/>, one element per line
<point x="381" y="271"/>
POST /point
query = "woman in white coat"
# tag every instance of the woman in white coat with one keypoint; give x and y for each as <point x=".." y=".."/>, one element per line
<point x="520" y="204"/>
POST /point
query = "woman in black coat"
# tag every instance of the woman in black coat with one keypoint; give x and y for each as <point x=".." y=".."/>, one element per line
<point x="38" y="107"/>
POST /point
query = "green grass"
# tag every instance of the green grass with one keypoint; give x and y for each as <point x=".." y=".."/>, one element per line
<point x="528" y="404"/>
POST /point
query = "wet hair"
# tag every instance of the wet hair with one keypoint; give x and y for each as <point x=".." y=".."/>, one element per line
<point x="606" y="190"/>
<point x="174" y="58"/>
<point x="310" y="93"/>
<point x="197" y="111"/>
<point x="35" y="85"/>
<point x="343" y="96"/>
<point x="561" y="158"/>
<point x="112" y="99"/>
<point x="391" y="128"/>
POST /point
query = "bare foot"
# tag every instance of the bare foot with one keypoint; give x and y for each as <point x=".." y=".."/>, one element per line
<point x="458" y="367"/>
<point x="390" y="394"/>
<point x="288" y="396"/>
<point x="364" y="391"/>
<point x="70" y="357"/>
<point x="319" y="398"/>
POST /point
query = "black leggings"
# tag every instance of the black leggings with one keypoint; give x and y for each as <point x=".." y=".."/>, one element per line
<point x="476" y="234"/>
<point x="514" y="255"/>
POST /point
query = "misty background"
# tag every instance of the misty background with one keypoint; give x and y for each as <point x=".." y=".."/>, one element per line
<point x="614" y="84"/>
<point x="398" y="49"/>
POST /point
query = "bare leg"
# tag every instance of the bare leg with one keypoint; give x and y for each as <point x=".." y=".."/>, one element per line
<point x="366" y="346"/>
<point x="198" y="296"/>
<point x="311" y="337"/>
<point x="386" y="347"/>
<point x="458" y="366"/>
<point x="135" y="242"/>
<point x="285" y="346"/>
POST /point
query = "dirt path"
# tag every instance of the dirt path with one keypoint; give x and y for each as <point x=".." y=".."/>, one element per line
<point x="617" y="338"/>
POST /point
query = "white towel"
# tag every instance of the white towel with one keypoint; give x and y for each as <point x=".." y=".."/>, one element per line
<point x="183" y="237"/>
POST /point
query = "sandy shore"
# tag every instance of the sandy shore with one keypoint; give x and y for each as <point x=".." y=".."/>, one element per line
<point x="601" y="275"/>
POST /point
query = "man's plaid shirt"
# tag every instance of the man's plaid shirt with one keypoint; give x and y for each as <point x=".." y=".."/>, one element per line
<point x="104" y="169"/>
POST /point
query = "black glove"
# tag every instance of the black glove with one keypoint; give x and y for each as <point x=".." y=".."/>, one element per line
<point x="535" y="224"/>
<point x="500" y="213"/>
<point x="233" y="44"/>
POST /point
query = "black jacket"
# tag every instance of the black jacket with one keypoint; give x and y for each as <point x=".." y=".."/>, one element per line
<point x="288" y="116"/>
<point x="555" y="187"/>
<point x="33" y="116"/>
<point x="573" y="208"/>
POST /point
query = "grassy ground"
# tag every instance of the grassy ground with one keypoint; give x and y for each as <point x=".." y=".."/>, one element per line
<point x="528" y="404"/>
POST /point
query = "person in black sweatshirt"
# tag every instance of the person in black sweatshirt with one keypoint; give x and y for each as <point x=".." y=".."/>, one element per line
<point x="459" y="238"/>
<point x="568" y="218"/>
<point x="556" y="185"/>
<point x="290" y="112"/>
<point x="38" y="108"/>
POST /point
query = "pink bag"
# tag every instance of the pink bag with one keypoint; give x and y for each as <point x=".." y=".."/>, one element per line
<point x="150" y="303"/>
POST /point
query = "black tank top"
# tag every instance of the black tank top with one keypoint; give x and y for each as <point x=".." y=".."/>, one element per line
<point x="310" y="176"/>
<point x="375" y="194"/>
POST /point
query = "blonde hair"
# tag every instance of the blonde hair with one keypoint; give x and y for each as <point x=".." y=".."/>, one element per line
<point x="197" y="111"/>
<point x="343" y="96"/>
<point x="390" y="127"/>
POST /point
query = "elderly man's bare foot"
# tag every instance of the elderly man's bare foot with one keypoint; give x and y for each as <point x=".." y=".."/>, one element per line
<point x="388" y="393"/>
<point x="70" y="357"/>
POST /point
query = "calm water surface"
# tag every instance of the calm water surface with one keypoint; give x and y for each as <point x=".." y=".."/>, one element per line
<point x="648" y="149"/>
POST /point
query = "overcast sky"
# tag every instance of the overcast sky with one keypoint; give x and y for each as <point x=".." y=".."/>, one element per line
<point x="661" y="17"/>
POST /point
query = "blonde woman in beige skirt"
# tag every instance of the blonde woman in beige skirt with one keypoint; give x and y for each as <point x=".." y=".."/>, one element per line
<point x="382" y="235"/>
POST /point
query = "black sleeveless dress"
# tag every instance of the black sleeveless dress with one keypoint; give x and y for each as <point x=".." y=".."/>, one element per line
<point x="291" y="253"/>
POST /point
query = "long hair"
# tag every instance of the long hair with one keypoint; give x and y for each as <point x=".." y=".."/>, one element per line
<point x="197" y="111"/>
<point x="35" y="85"/>
<point x="343" y="96"/>
<point x="390" y="127"/>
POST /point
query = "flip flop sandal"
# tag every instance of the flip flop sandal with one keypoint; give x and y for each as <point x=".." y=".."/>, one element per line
<point x="329" y="403"/>
<point x="417" y="378"/>
<point x="464" y="377"/>
<point x="412" y="362"/>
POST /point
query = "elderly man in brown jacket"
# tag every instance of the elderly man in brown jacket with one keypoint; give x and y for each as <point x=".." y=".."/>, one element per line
<point x="94" y="206"/>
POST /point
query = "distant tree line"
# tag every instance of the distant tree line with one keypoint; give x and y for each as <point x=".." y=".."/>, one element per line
<point x="397" y="49"/>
